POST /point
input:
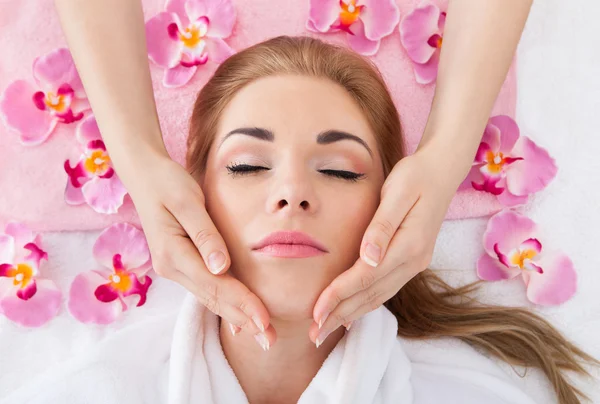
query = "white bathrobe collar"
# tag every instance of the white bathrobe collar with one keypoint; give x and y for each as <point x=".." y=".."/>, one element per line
<point x="354" y="372"/>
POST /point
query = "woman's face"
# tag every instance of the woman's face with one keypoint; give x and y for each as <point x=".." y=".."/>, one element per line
<point x="292" y="154"/>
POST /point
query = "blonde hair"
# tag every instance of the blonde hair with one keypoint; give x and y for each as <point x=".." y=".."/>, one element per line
<point x="426" y="307"/>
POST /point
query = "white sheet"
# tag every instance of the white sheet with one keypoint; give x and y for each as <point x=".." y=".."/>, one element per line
<point x="559" y="96"/>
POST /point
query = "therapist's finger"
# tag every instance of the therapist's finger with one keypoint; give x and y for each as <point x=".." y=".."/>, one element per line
<point x="359" y="277"/>
<point x="224" y="295"/>
<point x="361" y="303"/>
<point x="397" y="198"/>
<point x="191" y="214"/>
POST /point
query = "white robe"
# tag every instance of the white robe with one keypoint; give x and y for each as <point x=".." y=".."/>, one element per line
<point x="177" y="358"/>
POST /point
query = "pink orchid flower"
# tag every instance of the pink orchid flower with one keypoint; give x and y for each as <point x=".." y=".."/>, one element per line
<point x="421" y="34"/>
<point x="508" y="165"/>
<point x="93" y="180"/>
<point x="188" y="34"/>
<point x="25" y="297"/>
<point x="365" y="21"/>
<point x="99" y="296"/>
<point x="513" y="248"/>
<point x="58" y="97"/>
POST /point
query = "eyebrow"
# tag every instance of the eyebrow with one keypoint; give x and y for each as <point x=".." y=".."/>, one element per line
<point x="325" y="137"/>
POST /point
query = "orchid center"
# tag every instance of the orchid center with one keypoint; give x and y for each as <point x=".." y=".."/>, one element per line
<point x="98" y="163"/>
<point x="349" y="13"/>
<point x="192" y="36"/>
<point x="495" y="162"/>
<point x="56" y="102"/>
<point x="22" y="274"/>
<point x="120" y="281"/>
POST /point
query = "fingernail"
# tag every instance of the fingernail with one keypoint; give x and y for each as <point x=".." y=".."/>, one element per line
<point x="216" y="262"/>
<point x="372" y="254"/>
<point x="322" y="320"/>
<point x="348" y="325"/>
<point x="263" y="341"/>
<point x="258" y="323"/>
<point x="232" y="328"/>
<point x="320" y="339"/>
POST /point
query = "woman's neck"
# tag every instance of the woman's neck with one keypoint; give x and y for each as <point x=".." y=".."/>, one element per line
<point x="281" y="374"/>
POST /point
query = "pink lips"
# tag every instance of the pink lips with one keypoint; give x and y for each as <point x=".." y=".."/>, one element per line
<point x="290" y="244"/>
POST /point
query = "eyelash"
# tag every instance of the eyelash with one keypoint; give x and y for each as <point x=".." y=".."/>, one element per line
<point x="245" y="169"/>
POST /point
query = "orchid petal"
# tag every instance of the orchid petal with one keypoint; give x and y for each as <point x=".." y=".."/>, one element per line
<point x="492" y="137"/>
<point x="509" y="132"/>
<point x="426" y="73"/>
<point x="218" y="51"/>
<point x="534" y="172"/>
<point x="379" y="17"/>
<point x="556" y="285"/>
<point x="7" y="249"/>
<point x="21" y="115"/>
<point x="162" y="49"/>
<point x="323" y="13"/>
<point x="220" y="13"/>
<point x="104" y="195"/>
<point x="38" y="309"/>
<point x="177" y="7"/>
<point x="178" y="76"/>
<point x="415" y="30"/>
<point x="88" y="131"/>
<point x="490" y="269"/>
<point x="508" y="229"/>
<point x="83" y="304"/>
<point x="20" y="232"/>
<point x="56" y="68"/>
<point x="359" y="42"/>
<point x="126" y="240"/>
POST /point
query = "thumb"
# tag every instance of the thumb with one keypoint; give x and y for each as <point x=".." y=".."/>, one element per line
<point x="390" y="214"/>
<point x="196" y="222"/>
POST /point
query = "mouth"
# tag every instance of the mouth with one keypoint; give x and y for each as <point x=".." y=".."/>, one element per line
<point x="289" y="244"/>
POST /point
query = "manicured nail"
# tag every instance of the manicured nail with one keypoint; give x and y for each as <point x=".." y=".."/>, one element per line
<point x="323" y="319"/>
<point x="263" y="341"/>
<point x="320" y="339"/>
<point x="372" y="254"/>
<point x="216" y="262"/>
<point x="258" y="323"/>
<point x="348" y="325"/>
<point x="232" y="328"/>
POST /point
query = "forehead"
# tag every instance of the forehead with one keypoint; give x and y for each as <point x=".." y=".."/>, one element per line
<point x="292" y="105"/>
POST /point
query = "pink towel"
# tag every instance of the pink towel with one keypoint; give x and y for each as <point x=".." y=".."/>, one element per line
<point x="32" y="179"/>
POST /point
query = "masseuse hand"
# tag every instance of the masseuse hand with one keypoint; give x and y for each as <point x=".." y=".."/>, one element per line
<point x="397" y="245"/>
<point x="184" y="243"/>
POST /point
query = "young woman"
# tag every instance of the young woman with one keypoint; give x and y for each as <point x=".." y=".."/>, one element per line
<point x="291" y="141"/>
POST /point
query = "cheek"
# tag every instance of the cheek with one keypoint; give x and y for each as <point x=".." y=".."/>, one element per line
<point x="350" y="217"/>
<point x="231" y="208"/>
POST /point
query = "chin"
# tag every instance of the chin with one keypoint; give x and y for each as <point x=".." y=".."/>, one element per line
<point x="289" y="288"/>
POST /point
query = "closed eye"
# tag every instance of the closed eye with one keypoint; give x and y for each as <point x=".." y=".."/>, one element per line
<point x="242" y="169"/>
<point x="245" y="169"/>
<point x="345" y="175"/>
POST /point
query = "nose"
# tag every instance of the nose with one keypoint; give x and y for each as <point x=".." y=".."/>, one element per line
<point x="292" y="195"/>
